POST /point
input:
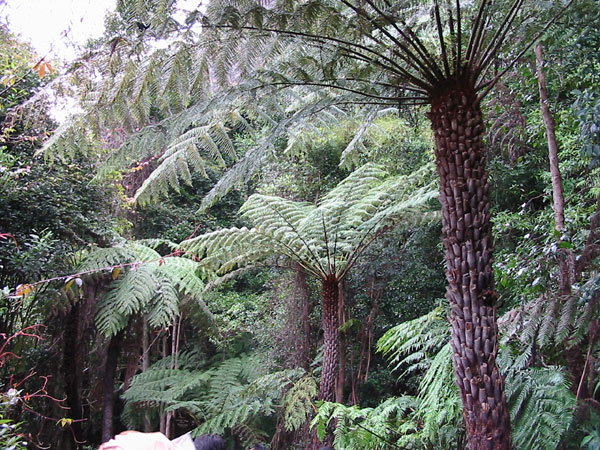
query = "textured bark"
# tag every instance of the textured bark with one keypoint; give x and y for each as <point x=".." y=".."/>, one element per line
<point x="330" y="339"/>
<point x="146" y="365"/>
<point x="467" y="234"/>
<point x="72" y="366"/>
<point x="340" y="382"/>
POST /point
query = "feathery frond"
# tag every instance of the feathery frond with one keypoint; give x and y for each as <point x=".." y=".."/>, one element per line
<point x="325" y="238"/>
<point x="145" y="282"/>
<point x="228" y="395"/>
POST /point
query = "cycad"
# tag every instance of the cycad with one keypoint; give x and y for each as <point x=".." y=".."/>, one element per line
<point x="324" y="239"/>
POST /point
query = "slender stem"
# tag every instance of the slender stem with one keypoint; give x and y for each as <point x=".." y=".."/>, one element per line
<point x="412" y="39"/>
<point x="327" y="243"/>
<point x="487" y="86"/>
<point x="440" y="30"/>
<point x="458" y="40"/>
<point x="498" y="39"/>
<point x="410" y="57"/>
<point x="476" y="31"/>
<point x="452" y="36"/>
<point x="332" y="86"/>
<point x="341" y="43"/>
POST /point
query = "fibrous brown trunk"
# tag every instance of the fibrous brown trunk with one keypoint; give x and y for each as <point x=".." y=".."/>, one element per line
<point x="340" y="382"/>
<point x="467" y="234"/>
<point x="330" y="324"/>
<point x="146" y="365"/>
<point x="330" y="339"/>
<point x="71" y="367"/>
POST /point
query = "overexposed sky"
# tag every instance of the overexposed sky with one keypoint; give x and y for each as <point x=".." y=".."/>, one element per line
<point x="54" y="27"/>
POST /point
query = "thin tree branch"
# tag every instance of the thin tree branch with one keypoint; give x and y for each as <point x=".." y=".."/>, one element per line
<point x="487" y="86"/>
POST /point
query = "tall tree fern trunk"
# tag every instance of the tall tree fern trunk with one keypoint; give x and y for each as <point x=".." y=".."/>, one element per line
<point x="467" y="234"/>
<point x="330" y="338"/>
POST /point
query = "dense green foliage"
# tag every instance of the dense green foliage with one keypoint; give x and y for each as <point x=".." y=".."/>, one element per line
<point x="159" y="302"/>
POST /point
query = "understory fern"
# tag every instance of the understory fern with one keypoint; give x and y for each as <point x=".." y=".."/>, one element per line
<point x="555" y="319"/>
<point x="541" y="404"/>
<point x="299" y="404"/>
<point x="230" y="395"/>
<point x="387" y="426"/>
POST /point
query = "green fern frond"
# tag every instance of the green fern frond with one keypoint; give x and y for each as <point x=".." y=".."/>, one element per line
<point x="298" y="402"/>
<point x="229" y="395"/>
<point x="326" y="238"/>
<point x="542" y="406"/>
<point x="146" y="283"/>
<point x="412" y="344"/>
<point x="387" y="426"/>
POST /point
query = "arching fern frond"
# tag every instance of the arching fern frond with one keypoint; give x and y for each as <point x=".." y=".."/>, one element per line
<point x="385" y="427"/>
<point x="229" y="395"/>
<point x="143" y="282"/>
<point x="410" y="345"/>
<point x="326" y="238"/>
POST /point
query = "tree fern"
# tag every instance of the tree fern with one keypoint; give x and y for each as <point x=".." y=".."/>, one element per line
<point x="143" y="282"/>
<point x="542" y="405"/>
<point x="325" y="238"/>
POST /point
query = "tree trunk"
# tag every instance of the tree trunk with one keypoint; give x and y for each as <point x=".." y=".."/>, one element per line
<point x="146" y="365"/>
<point x="330" y="339"/>
<point x="558" y="200"/>
<point x="339" y="385"/>
<point x="108" y="393"/>
<point x="71" y="368"/>
<point x="467" y="235"/>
